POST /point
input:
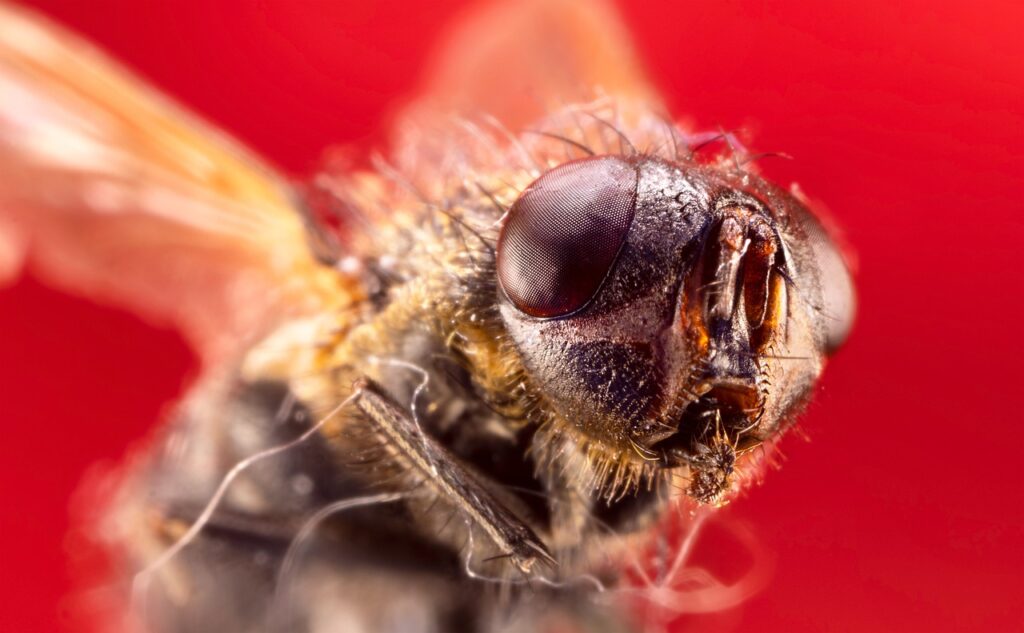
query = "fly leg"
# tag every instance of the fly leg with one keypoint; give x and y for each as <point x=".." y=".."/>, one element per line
<point x="440" y="470"/>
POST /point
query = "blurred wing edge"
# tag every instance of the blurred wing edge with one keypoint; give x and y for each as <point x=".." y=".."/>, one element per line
<point x="519" y="60"/>
<point x="110" y="191"/>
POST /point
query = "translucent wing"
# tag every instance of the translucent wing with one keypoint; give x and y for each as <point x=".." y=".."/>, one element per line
<point x="111" y="191"/>
<point x="510" y="78"/>
<point x="521" y="60"/>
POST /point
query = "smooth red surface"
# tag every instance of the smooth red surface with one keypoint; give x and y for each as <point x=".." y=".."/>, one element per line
<point x="903" y="512"/>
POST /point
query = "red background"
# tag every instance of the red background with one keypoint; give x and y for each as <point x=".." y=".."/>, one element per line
<point x="904" y="511"/>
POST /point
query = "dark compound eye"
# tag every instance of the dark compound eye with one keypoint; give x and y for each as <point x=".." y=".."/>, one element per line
<point x="563" y="234"/>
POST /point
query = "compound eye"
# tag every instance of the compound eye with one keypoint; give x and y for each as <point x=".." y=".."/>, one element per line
<point x="564" y="233"/>
<point x="838" y="298"/>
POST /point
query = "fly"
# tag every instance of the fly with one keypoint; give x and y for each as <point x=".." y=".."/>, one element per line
<point x="458" y="391"/>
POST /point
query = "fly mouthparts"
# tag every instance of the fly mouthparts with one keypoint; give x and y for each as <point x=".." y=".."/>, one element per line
<point x="721" y="414"/>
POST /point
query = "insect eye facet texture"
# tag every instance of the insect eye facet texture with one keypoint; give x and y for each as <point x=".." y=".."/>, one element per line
<point x="563" y="234"/>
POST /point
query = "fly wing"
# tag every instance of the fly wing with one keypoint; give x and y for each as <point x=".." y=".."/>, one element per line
<point x="111" y="191"/>
<point x="517" y="86"/>
<point x="520" y="60"/>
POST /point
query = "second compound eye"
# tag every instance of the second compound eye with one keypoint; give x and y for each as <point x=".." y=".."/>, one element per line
<point x="564" y="233"/>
